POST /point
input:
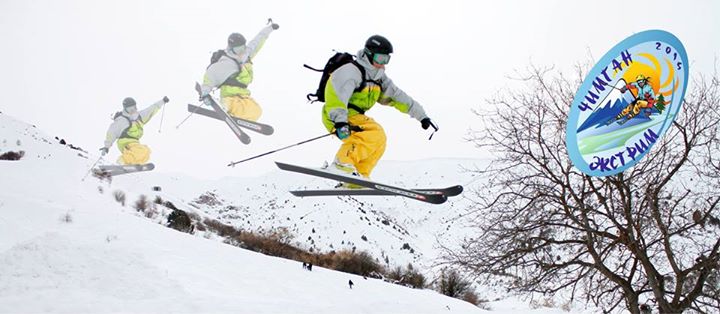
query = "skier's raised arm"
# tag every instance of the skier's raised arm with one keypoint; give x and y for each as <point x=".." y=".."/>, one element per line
<point x="254" y="46"/>
<point x="147" y="113"/>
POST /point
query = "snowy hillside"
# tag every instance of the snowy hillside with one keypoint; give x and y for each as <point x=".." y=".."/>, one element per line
<point x="68" y="246"/>
<point x="401" y="229"/>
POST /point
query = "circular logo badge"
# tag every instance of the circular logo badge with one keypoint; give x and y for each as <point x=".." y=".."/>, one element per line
<point x="626" y="102"/>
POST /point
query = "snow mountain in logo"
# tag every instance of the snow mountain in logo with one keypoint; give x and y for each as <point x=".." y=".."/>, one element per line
<point x="604" y="119"/>
<point x="602" y="115"/>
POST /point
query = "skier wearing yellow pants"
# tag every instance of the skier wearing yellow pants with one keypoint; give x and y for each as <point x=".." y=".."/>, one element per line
<point x="348" y="95"/>
<point x="127" y="129"/>
<point x="232" y="71"/>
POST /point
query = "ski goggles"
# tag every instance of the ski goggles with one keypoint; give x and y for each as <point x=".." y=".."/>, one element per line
<point x="381" y="58"/>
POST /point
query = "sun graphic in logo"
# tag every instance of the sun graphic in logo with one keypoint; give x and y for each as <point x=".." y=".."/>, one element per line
<point x="656" y="74"/>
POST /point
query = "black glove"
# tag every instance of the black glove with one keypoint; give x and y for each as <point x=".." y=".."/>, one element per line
<point x="342" y="130"/>
<point x="103" y="151"/>
<point x="166" y="99"/>
<point x="425" y="123"/>
<point x="275" y="26"/>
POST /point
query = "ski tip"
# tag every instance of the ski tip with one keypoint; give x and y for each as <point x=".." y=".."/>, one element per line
<point x="455" y="190"/>
<point x="435" y="199"/>
<point x="297" y="193"/>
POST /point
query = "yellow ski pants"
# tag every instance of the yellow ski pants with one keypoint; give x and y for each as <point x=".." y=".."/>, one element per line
<point x="363" y="149"/>
<point x="134" y="153"/>
<point x="243" y="107"/>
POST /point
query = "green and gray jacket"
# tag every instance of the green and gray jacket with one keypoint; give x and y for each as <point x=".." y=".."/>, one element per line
<point x="225" y="73"/>
<point x="341" y="99"/>
<point x="128" y="128"/>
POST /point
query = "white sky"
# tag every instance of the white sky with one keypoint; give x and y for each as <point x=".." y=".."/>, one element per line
<point x="67" y="65"/>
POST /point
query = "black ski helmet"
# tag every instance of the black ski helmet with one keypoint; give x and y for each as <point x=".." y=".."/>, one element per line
<point x="235" y="40"/>
<point x="378" y="44"/>
<point x="128" y="102"/>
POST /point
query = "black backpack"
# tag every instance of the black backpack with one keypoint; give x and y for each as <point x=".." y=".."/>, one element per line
<point x="217" y="55"/>
<point x="336" y="61"/>
<point x="120" y="114"/>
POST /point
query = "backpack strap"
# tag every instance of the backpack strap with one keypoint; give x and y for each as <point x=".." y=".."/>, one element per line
<point x="311" y="68"/>
<point x="364" y="80"/>
<point x="363" y="83"/>
<point x="356" y="108"/>
<point x="362" y="75"/>
<point x="232" y="79"/>
<point x="130" y="122"/>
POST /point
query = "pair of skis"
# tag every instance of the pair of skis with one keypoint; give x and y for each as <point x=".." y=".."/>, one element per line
<point x="433" y="196"/>
<point x="114" y="170"/>
<point x="234" y="123"/>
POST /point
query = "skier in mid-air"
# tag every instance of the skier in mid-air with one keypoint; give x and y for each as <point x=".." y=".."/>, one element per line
<point x="231" y="70"/>
<point x="363" y="139"/>
<point x="127" y="129"/>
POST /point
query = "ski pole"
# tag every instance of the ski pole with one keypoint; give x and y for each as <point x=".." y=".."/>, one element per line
<point x="232" y="164"/>
<point x="613" y="86"/>
<point x="91" y="168"/>
<point x="162" y="116"/>
<point x="435" y="128"/>
<point x="188" y="117"/>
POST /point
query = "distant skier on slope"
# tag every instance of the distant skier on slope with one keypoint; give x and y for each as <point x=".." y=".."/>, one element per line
<point x="127" y="129"/>
<point x="344" y="110"/>
<point x="231" y="70"/>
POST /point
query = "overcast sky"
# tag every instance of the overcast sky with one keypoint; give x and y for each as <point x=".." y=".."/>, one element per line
<point x="67" y="65"/>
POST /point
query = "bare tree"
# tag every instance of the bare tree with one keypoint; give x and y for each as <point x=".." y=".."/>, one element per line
<point x="648" y="237"/>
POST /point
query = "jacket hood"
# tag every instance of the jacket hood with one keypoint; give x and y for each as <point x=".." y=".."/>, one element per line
<point x="241" y="58"/>
<point x="372" y="72"/>
<point x="132" y="117"/>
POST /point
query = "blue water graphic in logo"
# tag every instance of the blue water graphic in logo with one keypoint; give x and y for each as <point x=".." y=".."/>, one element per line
<point x="627" y="102"/>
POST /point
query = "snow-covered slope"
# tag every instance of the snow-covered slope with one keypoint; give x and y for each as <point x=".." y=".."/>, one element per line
<point x="67" y="246"/>
<point x="394" y="229"/>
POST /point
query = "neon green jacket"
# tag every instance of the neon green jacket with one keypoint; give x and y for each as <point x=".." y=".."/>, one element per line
<point x="128" y="128"/>
<point x="340" y="91"/>
<point x="218" y="73"/>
